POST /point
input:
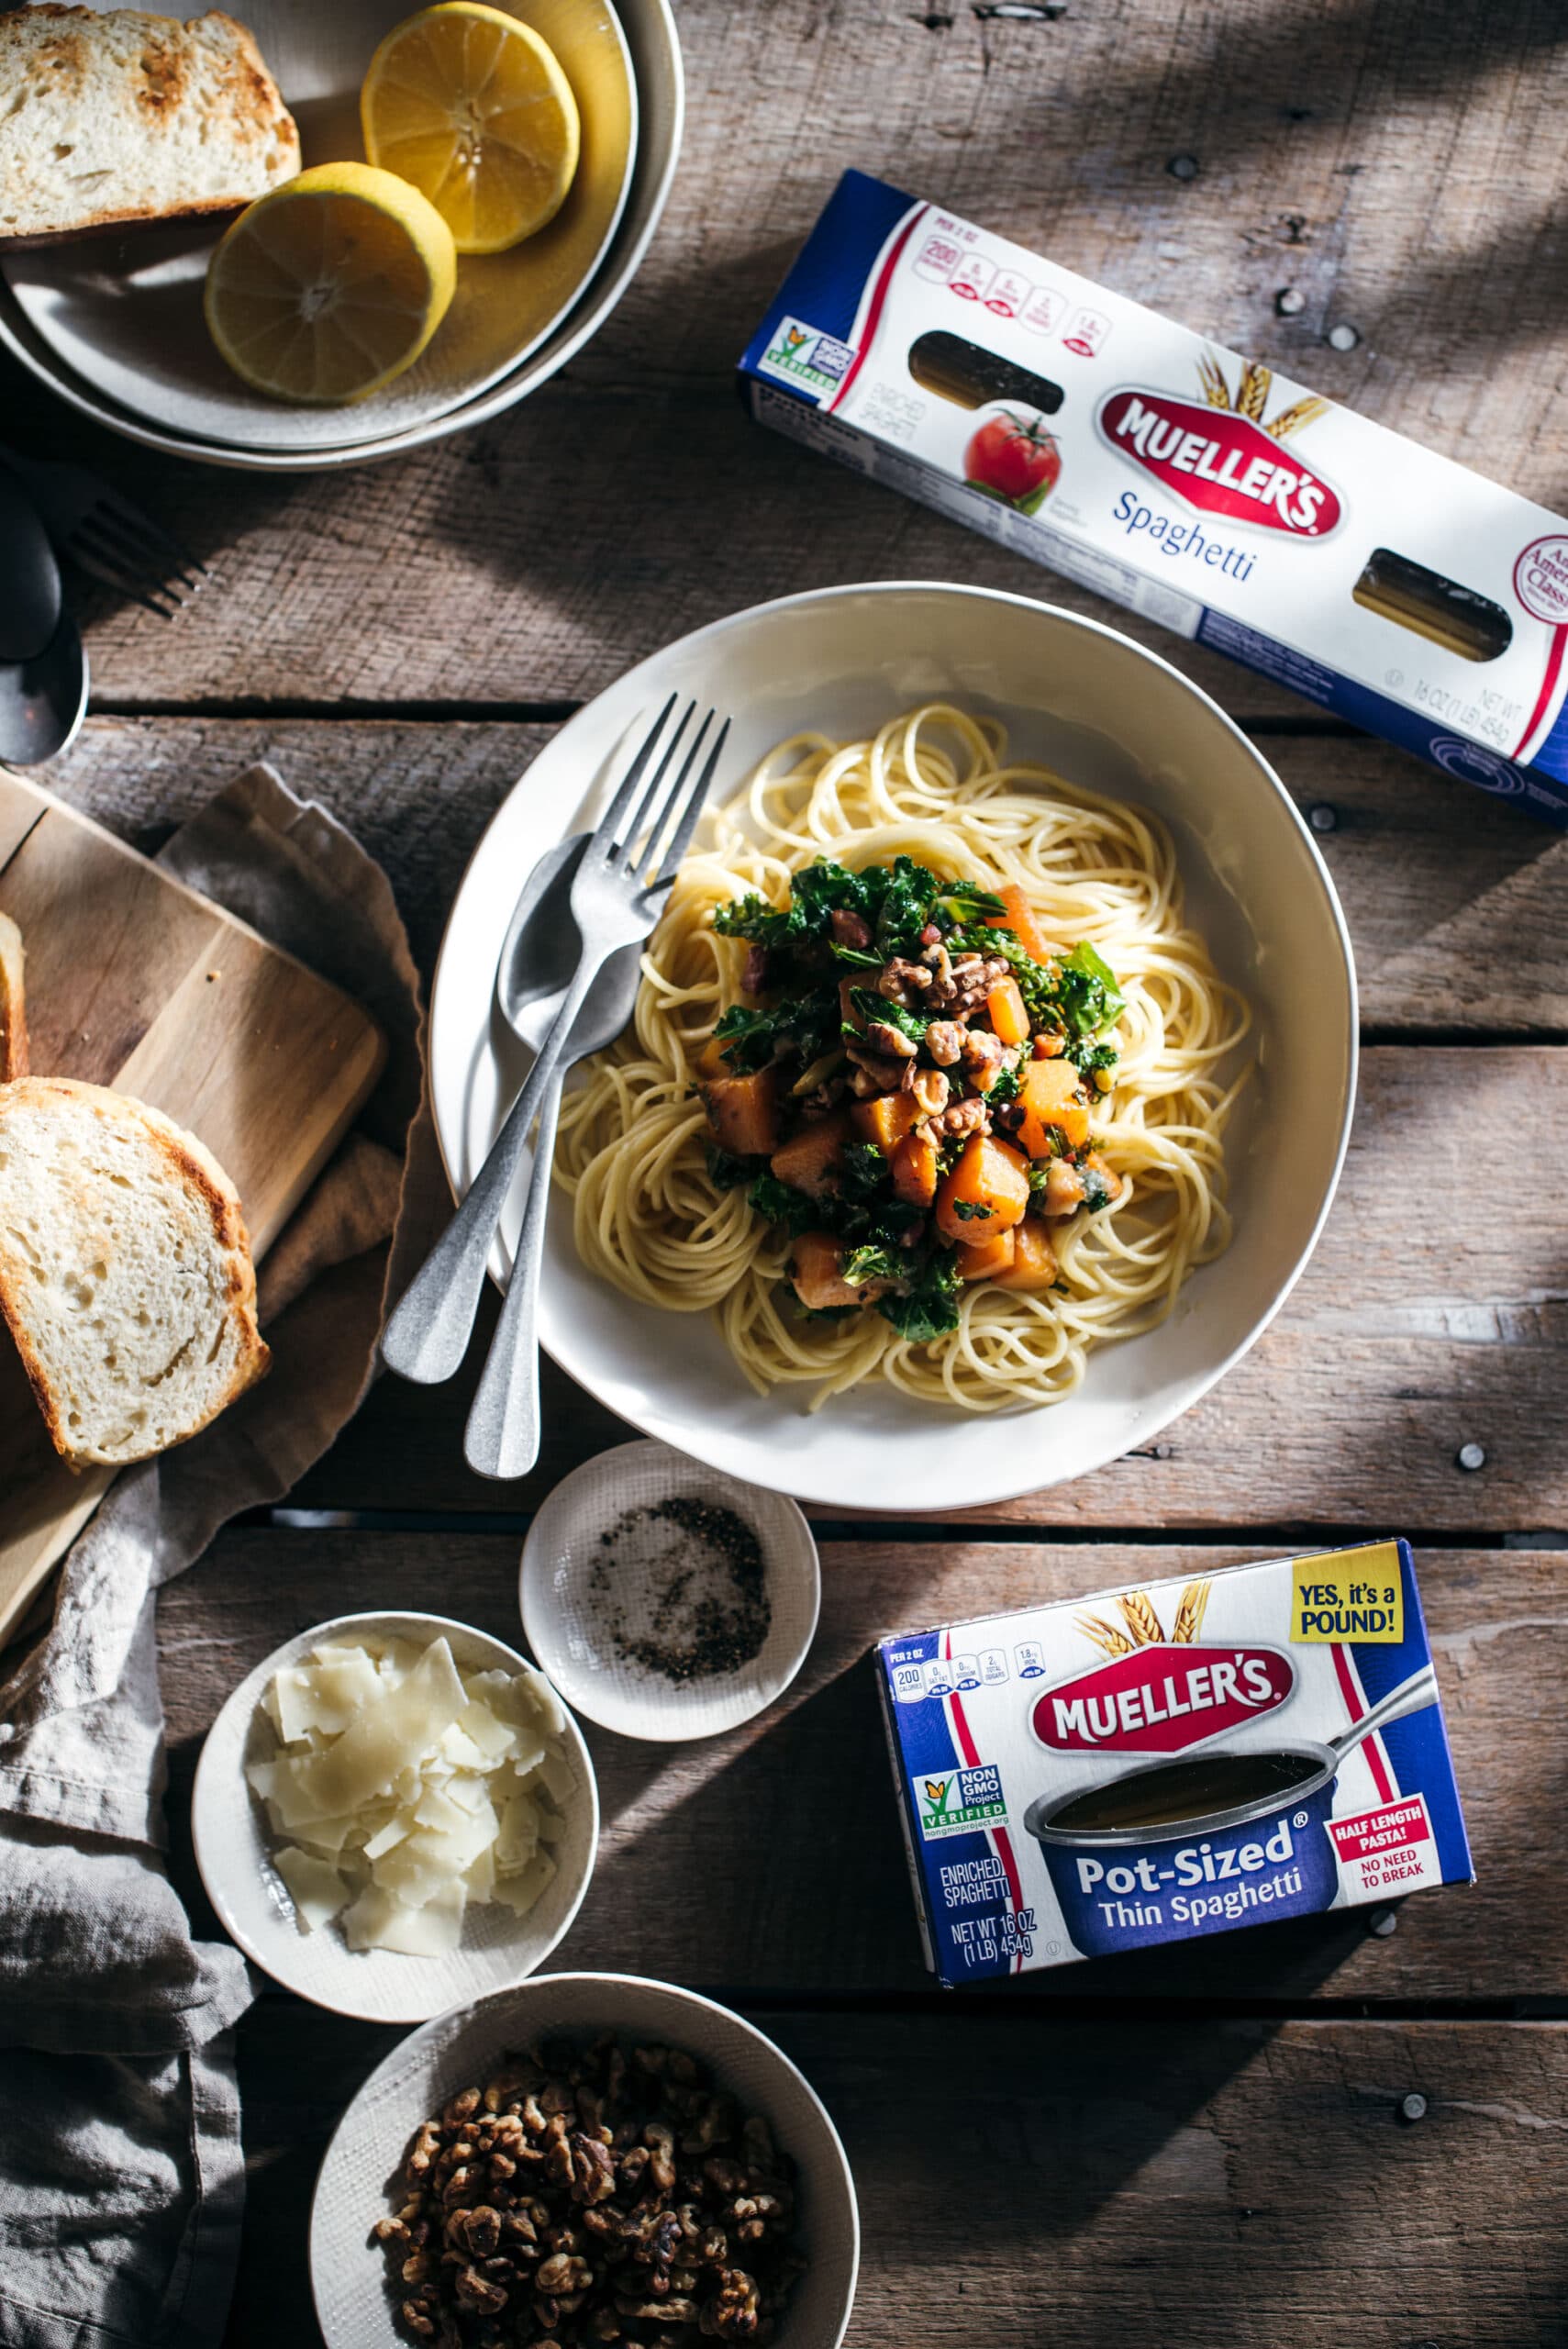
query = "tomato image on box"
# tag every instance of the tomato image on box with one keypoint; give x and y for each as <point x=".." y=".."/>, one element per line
<point x="1156" y="1764"/>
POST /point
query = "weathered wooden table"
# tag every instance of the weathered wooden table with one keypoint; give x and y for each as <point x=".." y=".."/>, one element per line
<point x="1168" y="2149"/>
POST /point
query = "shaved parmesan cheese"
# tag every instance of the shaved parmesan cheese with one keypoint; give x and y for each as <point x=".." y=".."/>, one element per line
<point x="521" y="1891"/>
<point x="399" y="1789"/>
<point x="493" y="1738"/>
<point x="460" y="1749"/>
<point x="544" y="1704"/>
<point x="376" y="1920"/>
<point x="316" y="1889"/>
<point x="402" y="1725"/>
<point x="386" y="1838"/>
<point x="555" y="1775"/>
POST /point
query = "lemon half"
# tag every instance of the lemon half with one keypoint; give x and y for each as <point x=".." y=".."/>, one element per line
<point x="471" y="106"/>
<point x="331" y="285"/>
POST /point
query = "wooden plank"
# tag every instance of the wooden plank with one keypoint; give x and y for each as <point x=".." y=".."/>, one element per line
<point x="1029" y="2179"/>
<point x="1400" y="171"/>
<point x="1456" y="904"/>
<point x="1433" y="1317"/>
<point x="793" y="1815"/>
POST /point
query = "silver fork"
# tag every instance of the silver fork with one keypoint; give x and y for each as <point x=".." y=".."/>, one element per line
<point x="621" y="889"/>
<point x="108" y="537"/>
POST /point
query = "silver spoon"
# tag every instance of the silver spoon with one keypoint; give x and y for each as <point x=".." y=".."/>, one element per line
<point x="43" y="701"/>
<point x="502" y="1438"/>
<point x="30" y="604"/>
<point x="538" y="962"/>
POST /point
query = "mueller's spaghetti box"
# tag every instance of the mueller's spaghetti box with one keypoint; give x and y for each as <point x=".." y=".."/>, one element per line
<point x="1192" y="486"/>
<point x="1153" y="1765"/>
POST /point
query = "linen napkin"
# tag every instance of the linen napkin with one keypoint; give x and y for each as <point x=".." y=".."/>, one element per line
<point x="121" y="2180"/>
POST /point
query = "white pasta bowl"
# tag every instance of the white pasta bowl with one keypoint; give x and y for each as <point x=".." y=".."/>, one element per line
<point x="1103" y="712"/>
<point x="348" y="2267"/>
<point x="231" y="1839"/>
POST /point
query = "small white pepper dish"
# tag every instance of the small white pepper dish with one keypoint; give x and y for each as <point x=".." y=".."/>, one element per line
<point x="234" y="1851"/>
<point x="664" y="1599"/>
<point x="351" y="2275"/>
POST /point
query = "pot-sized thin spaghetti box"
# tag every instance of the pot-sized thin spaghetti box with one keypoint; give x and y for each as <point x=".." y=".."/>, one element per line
<point x="1201" y="489"/>
<point x="1153" y="1765"/>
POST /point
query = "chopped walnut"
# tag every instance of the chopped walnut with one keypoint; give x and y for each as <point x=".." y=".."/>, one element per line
<point x="983" y="1051"/>
<point x="944" y="1041"/>
<point x="891" y="1040"/>
<point x="970" y="1117"/>
<point x="645" y="2182"/>
<point x="903" y="982"/>
<point x="931" y="1089"/>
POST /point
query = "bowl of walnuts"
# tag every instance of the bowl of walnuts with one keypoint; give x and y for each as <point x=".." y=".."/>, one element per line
<point x="585" y="2159"/>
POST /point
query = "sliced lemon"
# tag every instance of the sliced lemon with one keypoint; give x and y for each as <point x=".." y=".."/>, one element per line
<point x="471" y="106"/>
<point x="331" y="287"/>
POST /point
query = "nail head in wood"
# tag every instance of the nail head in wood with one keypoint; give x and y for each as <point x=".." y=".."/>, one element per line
<point x="1343" y="337"/>
<point x="1472" y="1455"/>
<point x="1383" y="1921"/>
<point x="1412" y="2108"/>
<point x="1323" y="819"/>
<point x="1290" y="301"/>
<point x="1182" y="167"/>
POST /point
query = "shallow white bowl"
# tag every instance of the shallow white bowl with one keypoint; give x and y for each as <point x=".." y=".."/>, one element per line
<point x="565" y="1620"/>
<point x="1107" y="713"/>
<point x="650" y="30"/>
<point x="347" y="2267"/>
<point x="229" y="1831"/>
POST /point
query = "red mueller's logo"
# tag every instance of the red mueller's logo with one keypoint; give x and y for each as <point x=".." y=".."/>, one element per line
<point x="1163" y="1698"/>
<point x="1220" y="462"/>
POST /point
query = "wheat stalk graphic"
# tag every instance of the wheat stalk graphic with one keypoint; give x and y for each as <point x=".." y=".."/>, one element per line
<point x="1252" y="396"/>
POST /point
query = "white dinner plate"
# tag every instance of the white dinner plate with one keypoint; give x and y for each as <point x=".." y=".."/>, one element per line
<point x="231" y="1839"/>
<point x="123" y="310"/>
<point x="1105" y="713"/>
<point x="348" y="2269"/>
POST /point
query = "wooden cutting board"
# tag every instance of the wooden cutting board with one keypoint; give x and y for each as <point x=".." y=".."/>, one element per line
<point x="135" y="981"/>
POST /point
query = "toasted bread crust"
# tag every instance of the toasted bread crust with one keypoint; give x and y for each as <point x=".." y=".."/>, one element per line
<point x="193" y="1166"/>
<point x="13" y="1004"/>
<point x="247" y="109"/>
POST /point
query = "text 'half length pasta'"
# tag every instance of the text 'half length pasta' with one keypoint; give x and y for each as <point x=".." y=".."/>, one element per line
<point x="928" y="1078"/>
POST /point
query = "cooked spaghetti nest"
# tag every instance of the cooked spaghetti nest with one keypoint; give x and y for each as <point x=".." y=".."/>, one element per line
<point x="935" y="785"/>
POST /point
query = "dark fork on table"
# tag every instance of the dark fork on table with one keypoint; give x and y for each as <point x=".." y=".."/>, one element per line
<point x="108" y="537"/>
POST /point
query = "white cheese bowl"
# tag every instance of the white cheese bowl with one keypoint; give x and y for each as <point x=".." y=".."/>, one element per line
<point x="233" y="1842"/>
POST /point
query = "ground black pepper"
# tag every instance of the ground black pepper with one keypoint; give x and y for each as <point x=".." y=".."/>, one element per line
<point x="709" y="1610"/>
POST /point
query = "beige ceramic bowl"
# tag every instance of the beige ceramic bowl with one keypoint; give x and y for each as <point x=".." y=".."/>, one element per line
<point x="230" y="1832"/>
<point x="113" y="326"/>
<point x="1106" y="712"/>
<point x="347" y="2267"/>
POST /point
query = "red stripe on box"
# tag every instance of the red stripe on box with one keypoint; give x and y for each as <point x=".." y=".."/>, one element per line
<point x="1548" y="686"/>
<point x="883" y="279"/>
<point x="1355" y="1706"/>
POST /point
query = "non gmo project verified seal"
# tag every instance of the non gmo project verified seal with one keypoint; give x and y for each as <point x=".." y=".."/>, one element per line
<point x="799" y="354"/>
<point x="959" y="1803"/>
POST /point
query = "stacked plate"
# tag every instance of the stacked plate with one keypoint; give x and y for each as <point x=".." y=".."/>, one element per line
<point x="113" y="323"/>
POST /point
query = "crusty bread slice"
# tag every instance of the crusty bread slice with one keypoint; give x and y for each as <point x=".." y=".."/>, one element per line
<point x="125" y="1271"/>
<point x="13" y="1004"/>
<point x="111" y="114"/>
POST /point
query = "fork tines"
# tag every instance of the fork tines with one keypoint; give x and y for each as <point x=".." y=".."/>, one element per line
<point x="659" y="810"/>
<point x="136" y="556"/>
